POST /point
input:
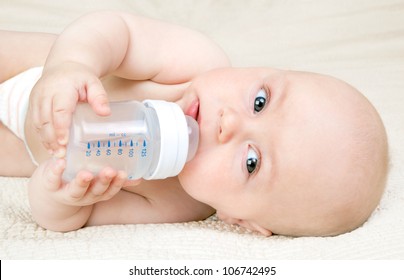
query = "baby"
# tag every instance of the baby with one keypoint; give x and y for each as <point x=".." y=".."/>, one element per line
<point x="280" y="152"/>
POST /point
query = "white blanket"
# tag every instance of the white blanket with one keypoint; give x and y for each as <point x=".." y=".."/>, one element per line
<point x="361" y="42"/>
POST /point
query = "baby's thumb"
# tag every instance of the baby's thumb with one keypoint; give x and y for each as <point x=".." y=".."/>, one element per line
<point x="98" y="99"/>
<point x="52" y="173"/>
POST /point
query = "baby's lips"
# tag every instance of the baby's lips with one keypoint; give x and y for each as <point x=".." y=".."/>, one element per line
<point x="193" y="109"/>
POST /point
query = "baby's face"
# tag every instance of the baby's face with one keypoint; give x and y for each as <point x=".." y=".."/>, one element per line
<point x="268" y="143"/>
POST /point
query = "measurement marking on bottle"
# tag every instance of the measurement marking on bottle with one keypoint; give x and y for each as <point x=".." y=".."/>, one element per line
<point x="103" y="148"/>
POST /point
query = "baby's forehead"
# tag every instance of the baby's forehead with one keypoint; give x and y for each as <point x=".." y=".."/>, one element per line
<point x="277" y="80"/>
<point x="237" y="73"/>
<point x="317" y="80"/>
<point x="318" y="88"/>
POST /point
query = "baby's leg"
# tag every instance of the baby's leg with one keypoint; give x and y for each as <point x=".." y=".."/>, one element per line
<point x="20" y="51"/>
<point x="14" y="159"/>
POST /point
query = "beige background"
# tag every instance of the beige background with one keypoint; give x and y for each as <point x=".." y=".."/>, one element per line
<point x="359" y="41"/>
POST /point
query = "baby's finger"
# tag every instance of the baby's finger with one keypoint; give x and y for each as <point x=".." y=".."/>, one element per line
<point x="129" y="183"/>
<point x="63" y="108"/>
<point x="77" y="188"/>
<point x="115" y="186"/>
<point x="98" y="98"/>
<point x="35" y="102"/>
<point x="103" y="181"/>
<point x="45" y="125"/>
<point x="44" y="108"/>
<point x="52" y="172"/>
<point x="48" y="137"/>
<point x="34" y="113"/>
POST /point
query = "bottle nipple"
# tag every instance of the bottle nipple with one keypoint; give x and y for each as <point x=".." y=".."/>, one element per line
<point x="193" y="136"/>
<point x="179" y="138"/>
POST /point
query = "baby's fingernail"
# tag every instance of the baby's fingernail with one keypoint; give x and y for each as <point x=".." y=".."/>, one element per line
<point x="105" y="107"/>
<point x="60" y="153"/>
<point x="62" y="140"/>
<point x="59" y="163"/>
<point x="122" y="175"/>
<point x="87" y="179"/>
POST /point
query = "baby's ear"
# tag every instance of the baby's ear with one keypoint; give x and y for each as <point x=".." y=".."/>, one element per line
<point x="260" y="229"/>
<point x="227" y="219"/>
<point x="244" y="223"/>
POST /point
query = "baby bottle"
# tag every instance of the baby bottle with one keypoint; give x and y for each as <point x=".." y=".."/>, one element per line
<point x="151" y="139"/>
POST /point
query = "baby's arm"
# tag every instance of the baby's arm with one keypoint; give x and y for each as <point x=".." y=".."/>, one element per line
<point x="125" y="45"/>
<point x="89" y="200"/>
<point x="136" y="48"/>
<point x="20" y="51"/>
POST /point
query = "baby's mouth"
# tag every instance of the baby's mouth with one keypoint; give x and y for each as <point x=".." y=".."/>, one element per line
<point x="193" y="110"/>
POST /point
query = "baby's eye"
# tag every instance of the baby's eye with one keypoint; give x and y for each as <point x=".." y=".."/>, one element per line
<point x="252" y="161"/>
<point x="260" y="100"/>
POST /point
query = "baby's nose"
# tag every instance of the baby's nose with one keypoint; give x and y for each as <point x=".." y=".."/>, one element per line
<point x="229" y="122"/>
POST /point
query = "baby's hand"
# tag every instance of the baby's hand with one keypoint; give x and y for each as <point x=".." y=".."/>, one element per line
<point x="61" y="206"/>
<point x="85" y="189"/>
<point x="54" y="98"/>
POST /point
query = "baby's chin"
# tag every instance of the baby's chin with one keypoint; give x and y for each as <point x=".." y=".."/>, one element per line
<point x="191" y="179"/>
<point x="185" y="176"/>
<point x="191" y="167"/>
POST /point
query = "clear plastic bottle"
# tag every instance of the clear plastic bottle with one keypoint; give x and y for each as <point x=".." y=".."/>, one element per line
<point x="151" y="140"/>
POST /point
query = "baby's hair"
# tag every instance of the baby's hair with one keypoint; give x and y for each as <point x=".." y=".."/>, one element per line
<point x="346" y="197"/>
<point x="370" y="160"/>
